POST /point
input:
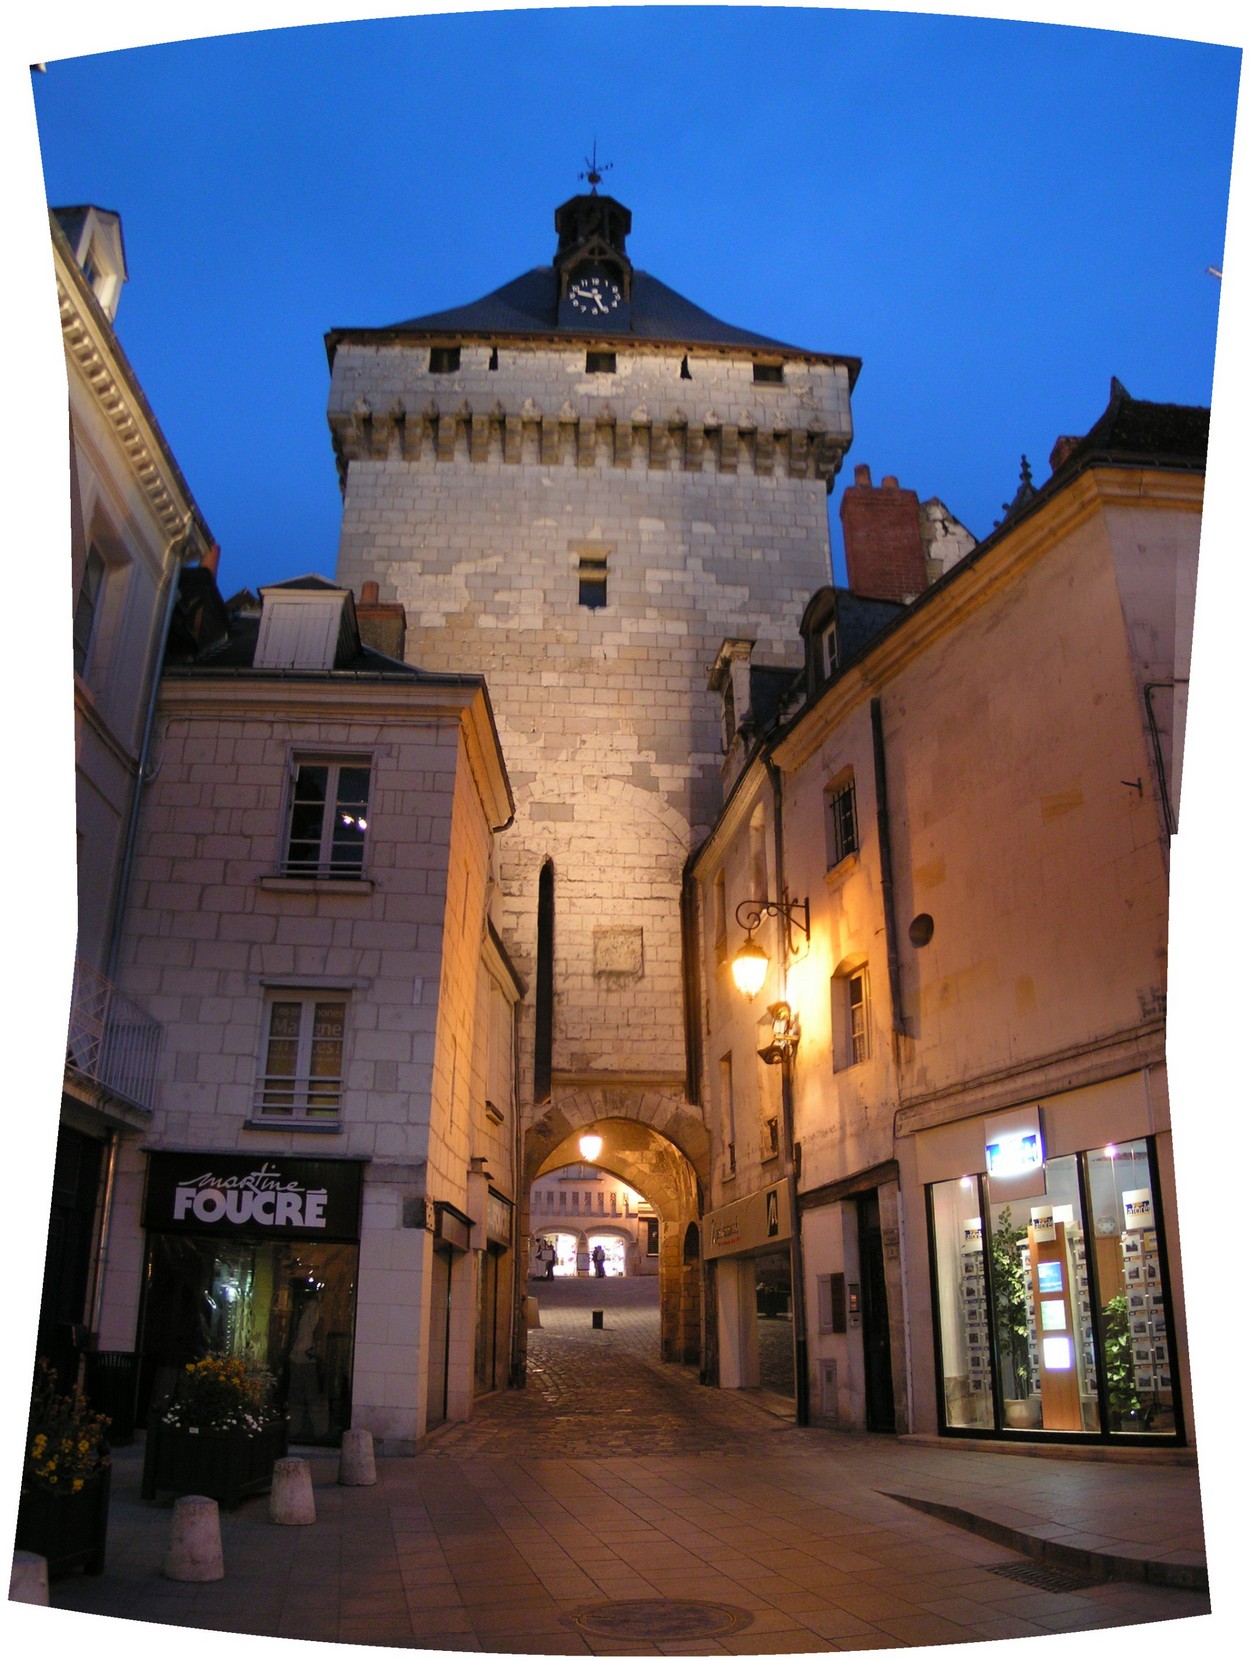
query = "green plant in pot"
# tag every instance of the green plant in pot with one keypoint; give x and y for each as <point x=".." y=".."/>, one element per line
<point x="1117" y="1359"/>
<point x="1011" y="1304"/>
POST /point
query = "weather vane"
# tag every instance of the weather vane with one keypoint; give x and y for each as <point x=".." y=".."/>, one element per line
<point x="594" y="169"/>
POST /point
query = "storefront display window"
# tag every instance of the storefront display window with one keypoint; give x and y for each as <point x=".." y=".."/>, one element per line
<point x="281" y="1307"/>
<point x="1044" y="1322"/>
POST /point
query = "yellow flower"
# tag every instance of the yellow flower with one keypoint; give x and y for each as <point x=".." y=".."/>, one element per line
<point x="77" y="1483"/>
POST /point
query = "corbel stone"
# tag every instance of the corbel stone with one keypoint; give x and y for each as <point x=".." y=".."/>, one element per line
<point x="695" y="445"/>
<point x="729" y="449"/>
<point x="549" y="441"/>
<point x="797" y="466"/>
<point x="586" y="441"/>
<point x="765" y="450"/>
<point x="479" y="437"/>
<point x="623" y="444"/>
<point x="445" y="437"/>
<point x="512" y="439"/>
<point x="659" y="445"/>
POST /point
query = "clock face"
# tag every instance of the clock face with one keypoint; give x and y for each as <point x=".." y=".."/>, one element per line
<point x="595" y="295"/>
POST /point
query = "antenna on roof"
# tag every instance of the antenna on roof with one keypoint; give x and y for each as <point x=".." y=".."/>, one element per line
<point x="1214" y="271"/>
<point x="594" y="169"/>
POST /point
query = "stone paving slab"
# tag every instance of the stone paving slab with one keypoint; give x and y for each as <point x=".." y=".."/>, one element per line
<point x="613" y="1478"/>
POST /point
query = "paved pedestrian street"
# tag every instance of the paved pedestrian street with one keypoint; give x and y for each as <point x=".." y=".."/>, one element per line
<point x="616" y="1506"/>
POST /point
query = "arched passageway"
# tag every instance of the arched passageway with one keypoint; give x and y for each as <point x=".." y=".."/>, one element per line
<point x="656" y="1167"/>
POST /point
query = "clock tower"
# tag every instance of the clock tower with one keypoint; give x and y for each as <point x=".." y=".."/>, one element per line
<point x="593" y="271"/>
<point x="581" y="485"/>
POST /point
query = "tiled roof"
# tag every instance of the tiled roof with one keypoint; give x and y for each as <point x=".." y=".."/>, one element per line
<point x="1132" y="430"/>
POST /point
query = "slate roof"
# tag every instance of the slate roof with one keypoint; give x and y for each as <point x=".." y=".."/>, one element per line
<point x="1131" y="430"/>
<point x="528" y="306"/>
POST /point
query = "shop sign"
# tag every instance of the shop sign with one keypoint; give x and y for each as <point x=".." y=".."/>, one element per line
<point x="257" y="1197"/>
<point x="748" y="1224"/>
<point x="1043" y="1220"/>
<point x="498" y="1218"/>
<point x="1015" y="1157"/>
<point x="1139" y="1209"/>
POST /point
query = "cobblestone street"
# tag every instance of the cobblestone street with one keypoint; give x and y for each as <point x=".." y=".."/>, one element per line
<point x="616" y="1506"/>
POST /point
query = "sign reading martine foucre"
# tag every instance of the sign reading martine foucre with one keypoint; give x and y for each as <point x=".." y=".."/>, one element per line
<point x="242" y="1195"/>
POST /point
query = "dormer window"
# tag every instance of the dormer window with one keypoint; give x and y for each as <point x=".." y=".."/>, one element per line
<point x="827" y="645"/>
<point x="305" y="627"/>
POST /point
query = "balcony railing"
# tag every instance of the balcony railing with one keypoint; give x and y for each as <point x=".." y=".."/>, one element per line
<point x="112" y="1039"/>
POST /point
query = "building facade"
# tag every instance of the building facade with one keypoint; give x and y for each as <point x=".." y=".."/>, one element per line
<point x="133" y="526"/>
<point x="945" y="1110"/>
<point x="577" y="1208"/>
<point x="326" y="1184"/>
<point x="581" y="484"/>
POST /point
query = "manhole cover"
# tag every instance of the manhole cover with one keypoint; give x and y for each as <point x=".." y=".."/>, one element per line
<point x="1046" y="1578"/>
<point x="646" y="1619"/>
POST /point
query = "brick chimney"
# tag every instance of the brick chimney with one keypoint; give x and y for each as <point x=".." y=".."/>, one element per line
<point x="382" y="623"/>
<point x="885" y="553"/>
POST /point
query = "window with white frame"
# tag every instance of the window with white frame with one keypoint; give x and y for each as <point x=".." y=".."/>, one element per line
<point x="858" y="1030"/>
<point x="302" y="1065"/>
<point x="87" y="607"/>
<point x="841" y="832"/>
<point x="329" y="818"/>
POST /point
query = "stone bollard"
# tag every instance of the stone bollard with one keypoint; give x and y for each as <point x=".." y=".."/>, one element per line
<point x="356" y="1467"/>
<point x="194" y="1541"/>
<point x="532" y="1317"/>
<point x="29" y="1580"/>
<point x="596" y="1319"/>
<point x="291" y="1496"/>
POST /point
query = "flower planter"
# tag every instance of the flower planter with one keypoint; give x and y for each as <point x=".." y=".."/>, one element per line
<point x="68" y="1529"/>
<point x="224" y="1465"/>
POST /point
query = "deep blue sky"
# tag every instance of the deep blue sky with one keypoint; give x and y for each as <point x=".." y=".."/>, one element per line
<point x="996" y="217"/>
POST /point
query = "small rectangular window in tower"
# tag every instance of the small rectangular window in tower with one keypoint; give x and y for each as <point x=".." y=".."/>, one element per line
<point x="601" y="363"/>
<point x="592" y="581"/>
<point x="444" y="360"/>
<point x="768" y="374"/>
<point x="494" y="358"/>
<point x="841" y="832"/>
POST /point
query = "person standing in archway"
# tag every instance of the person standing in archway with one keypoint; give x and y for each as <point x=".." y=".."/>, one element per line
<point x="598" y="1258"/>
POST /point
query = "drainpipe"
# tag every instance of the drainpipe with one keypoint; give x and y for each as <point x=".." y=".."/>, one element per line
<point x="798" y="1289"/>
<point x="897" y="1020"/>
<point x="132" y="818"/>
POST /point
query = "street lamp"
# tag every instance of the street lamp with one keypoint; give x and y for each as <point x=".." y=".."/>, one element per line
<point x="590" y="1147"/>
<point x="750" y="962"/>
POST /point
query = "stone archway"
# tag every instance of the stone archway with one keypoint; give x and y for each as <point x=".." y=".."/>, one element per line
<point x="659" y="1146"/>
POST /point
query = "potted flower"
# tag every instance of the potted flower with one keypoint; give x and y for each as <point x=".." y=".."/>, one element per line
<point x="63" y="1510"/>
<point x="220" y="1436"/>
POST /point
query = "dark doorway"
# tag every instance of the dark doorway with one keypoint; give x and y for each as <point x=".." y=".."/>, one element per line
<point x="440" y="1329"/>
<point x="67" y="1264"/>
<point x="878" y="1373"/>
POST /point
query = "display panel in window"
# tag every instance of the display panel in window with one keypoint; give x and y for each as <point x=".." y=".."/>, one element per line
<point x="329" y="819"/>
<point x="302" y="1075"/>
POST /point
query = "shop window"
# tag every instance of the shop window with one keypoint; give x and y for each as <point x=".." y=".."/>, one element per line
<point x="329" y="818"/>
<point x="1049" y="1324"/>
<point x="302" y="1072"/>
<point x="841" y="833"/>
<point x="87" y="607"/>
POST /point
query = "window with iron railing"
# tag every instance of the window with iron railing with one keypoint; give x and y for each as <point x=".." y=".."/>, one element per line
<point x="302" y="1077"/>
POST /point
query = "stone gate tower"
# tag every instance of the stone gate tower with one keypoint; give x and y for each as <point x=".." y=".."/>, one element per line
<point x="582" y="485"/>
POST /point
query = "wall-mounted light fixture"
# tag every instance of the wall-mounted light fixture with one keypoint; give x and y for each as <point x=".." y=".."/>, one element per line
<point x="785" y="1037"/>
<point x="590" y="1147"/>
<point x="750" y="962"/>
